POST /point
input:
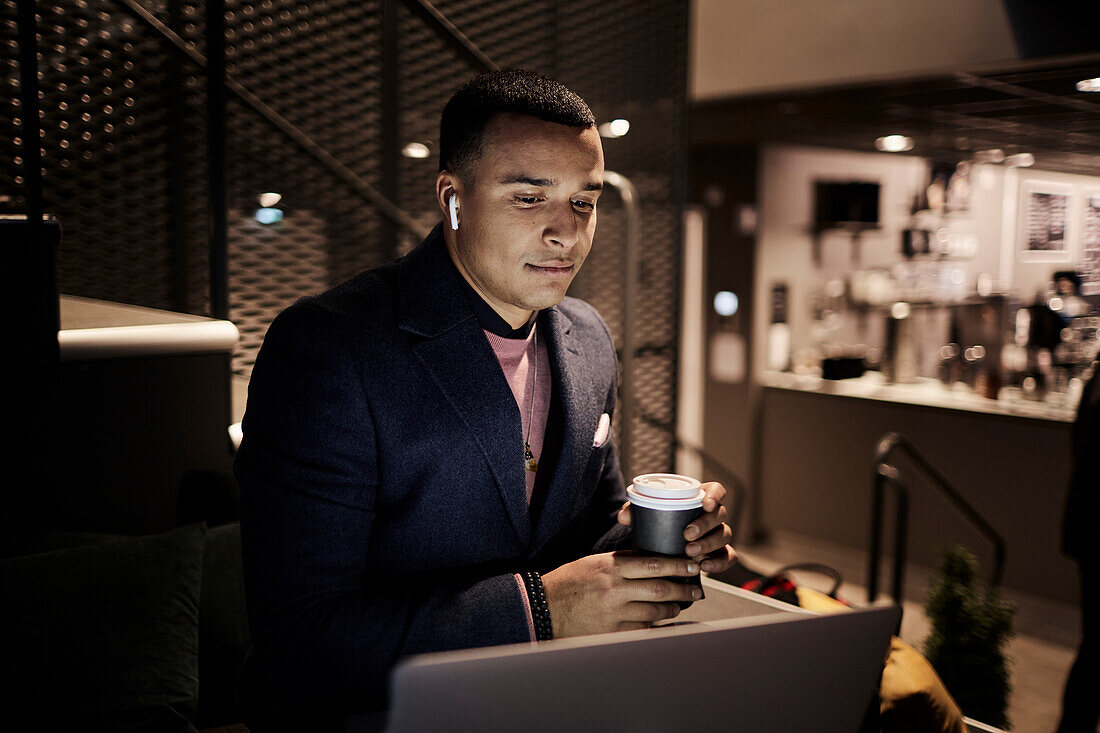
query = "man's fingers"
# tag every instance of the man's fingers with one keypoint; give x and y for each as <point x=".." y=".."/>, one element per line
<point x="624" y="514"/>
<point x="650" y="613"/>
<point x="643" y="566"/>
<point x="713" y="498"/>
<point x="705" y="523"/>
<point x="721" y="559"/>
<point x="664" y="590"/>
<point x="719" y="536"/>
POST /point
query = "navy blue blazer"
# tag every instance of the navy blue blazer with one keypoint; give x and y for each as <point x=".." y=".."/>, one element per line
<point x="384" y="506"/>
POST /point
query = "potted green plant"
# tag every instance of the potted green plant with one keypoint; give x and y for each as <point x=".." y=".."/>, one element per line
<point x="970" y="627"/>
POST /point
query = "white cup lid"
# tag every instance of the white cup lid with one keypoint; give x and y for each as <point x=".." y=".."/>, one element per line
<point x="666" y="485"/>
<point x="663" y="504"/>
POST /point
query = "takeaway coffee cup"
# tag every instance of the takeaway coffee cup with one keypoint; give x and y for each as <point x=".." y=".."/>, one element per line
<point x="661" y="506"/>
<point x="666" y="486"/>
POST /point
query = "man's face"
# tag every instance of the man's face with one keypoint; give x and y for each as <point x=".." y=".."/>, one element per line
<point x="527" y="218"/>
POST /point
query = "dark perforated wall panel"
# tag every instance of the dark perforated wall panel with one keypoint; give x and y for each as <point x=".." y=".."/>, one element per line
<point x="125" y="149"/>
<point x="104" y="110"/>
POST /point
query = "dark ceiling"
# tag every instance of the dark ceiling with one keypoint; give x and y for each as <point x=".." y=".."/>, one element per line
<point x="1031" y="107"/>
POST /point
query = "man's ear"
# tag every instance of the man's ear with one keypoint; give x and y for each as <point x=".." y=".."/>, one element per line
<point x="446" y="185"/>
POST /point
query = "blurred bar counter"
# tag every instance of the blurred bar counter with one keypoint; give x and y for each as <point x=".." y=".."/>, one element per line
<point x="928" y="392"/>
<point x="1009" y="457"/>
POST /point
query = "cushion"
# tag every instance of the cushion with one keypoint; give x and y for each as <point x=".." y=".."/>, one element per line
<point x="223" y="626"/>
<point x="16" y="542"/>
<point x="913" y="697"/>
<point x="104" y="636"/>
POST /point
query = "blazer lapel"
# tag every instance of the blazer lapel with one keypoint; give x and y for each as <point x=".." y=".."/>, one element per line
<point x="582" y="403"/>
<point x="462" y="364"/>
<point x="474" y="386"/>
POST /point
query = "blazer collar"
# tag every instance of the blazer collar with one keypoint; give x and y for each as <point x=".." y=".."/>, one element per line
<point x="430" y="286"/>
<point x="461" y="362"/>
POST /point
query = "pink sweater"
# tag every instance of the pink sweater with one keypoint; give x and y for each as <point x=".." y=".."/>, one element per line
<point x="516" y="360"/>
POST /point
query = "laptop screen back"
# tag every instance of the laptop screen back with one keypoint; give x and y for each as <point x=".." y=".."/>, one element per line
<point x="775" y="671"/>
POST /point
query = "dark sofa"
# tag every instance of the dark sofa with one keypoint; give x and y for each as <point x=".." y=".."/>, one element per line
<point x="104" y="632"/>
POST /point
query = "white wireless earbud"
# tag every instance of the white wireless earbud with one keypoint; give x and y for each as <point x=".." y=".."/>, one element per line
<point x="452" y="206"/>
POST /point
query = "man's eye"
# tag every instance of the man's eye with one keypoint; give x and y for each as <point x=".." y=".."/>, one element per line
<point x="584" y="206"/>
<point x="527" y="200"/>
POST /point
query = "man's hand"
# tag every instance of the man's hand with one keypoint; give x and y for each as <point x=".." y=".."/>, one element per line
<point x="708" y="534"/>
<point x="616" y="591"/>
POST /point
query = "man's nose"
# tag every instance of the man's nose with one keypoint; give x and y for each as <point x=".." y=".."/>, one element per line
<point x="563" y="229"/>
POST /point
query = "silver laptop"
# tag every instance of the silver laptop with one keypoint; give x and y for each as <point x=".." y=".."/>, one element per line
<point x="771" y="667"/>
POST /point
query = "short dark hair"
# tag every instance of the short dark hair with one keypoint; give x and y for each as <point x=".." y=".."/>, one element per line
<point x="515" y="91"/>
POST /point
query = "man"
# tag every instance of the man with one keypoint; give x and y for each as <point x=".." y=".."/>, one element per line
<point x="421" y="438"/>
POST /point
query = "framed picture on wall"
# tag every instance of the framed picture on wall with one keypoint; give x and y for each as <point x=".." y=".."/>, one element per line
<point x="1045" y="222"/>
<point x="1090" y="242"/>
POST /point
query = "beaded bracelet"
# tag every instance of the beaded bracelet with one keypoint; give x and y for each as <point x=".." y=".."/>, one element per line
<point x="540" y="609"/>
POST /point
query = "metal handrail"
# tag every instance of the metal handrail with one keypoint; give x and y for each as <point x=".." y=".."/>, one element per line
<point x="729" y="478"/>
<point x="628" y="193"/>
<point x="884" y="475"/>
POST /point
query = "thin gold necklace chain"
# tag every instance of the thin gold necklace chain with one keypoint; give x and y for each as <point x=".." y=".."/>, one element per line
<point x="528" y="457"/>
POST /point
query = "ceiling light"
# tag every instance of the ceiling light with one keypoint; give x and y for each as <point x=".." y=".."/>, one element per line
<point x="725" y="303"/>
<point x="1020" y="160"/>
<point x="416" y="150"/>
<point x="1089" y="85"/>
<point x="615" y="128"/>
<point x="894" y="143"/>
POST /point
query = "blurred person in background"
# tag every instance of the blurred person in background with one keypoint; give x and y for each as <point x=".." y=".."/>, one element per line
<point x="1081" y="541"/>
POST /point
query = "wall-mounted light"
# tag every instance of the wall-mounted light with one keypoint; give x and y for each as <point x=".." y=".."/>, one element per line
<point x="269" y="199"/>
<point x="416" y="150"/>
<point x="267" y="215"/>
<point x="1020" y="160"/>
<point x="615" y="128"/>
<point x="1089" y="85"/>
<point x="894" y="143"/>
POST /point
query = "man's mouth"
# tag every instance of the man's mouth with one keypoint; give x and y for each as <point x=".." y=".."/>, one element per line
<point x="552" y="269"/>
